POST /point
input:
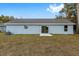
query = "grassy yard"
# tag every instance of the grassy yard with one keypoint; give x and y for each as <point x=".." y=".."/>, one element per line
<point x="34" y="45"/>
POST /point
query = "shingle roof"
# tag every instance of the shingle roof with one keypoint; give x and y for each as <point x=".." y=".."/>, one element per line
<point x="40" y="21"/>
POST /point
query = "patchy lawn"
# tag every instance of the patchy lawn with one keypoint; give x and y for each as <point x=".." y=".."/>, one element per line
<point x="34" y="45"/>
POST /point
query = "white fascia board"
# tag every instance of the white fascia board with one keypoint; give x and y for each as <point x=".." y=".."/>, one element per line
<point x="36" y="24"/>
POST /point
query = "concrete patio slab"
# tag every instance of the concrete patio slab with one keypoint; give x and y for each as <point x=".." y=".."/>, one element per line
<point x="45" y="34"/>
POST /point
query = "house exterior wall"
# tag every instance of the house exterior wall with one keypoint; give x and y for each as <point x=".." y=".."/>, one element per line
<point x="37" y="29"/>
<point x="22" y="30"/>
<point x="2" y="28"/>
<point x="60" y="30"/>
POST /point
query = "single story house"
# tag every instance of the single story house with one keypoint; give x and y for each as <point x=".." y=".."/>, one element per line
<point x="38" y="26"/>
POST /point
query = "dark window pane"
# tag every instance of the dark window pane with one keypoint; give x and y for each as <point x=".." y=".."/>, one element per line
<point x="65" y="28"/>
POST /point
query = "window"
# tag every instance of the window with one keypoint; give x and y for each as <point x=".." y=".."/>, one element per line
<point x="65" y="28"/>
<point x="74" y="27"/>
<point x="44" y="29"/>
<point x="25" y="27"/>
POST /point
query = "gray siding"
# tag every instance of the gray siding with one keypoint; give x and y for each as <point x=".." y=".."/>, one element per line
<point x="60" y="30"/>
<point x="2" y="28"/>
<point x="37" y="29"/>
<point x="22" y="30"/>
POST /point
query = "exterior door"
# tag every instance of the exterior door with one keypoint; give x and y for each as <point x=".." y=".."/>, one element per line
<point x="44" y="29"/>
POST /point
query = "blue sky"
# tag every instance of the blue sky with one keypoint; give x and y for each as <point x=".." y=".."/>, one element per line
<point x="31" y="10"/>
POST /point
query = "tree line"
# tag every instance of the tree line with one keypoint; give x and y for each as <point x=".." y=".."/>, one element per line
<point x="4" y="19"/>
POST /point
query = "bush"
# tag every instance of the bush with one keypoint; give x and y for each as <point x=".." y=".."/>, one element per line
<point x="8" y="33"/>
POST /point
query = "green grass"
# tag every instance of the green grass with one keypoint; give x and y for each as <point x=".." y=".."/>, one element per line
<point x="34" y="45"/>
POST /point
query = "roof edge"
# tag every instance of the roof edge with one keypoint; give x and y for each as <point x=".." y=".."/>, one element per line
<point x="39" y="24"/>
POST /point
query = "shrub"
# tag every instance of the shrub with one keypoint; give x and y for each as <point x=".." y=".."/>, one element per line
<point x="8" y="33"/>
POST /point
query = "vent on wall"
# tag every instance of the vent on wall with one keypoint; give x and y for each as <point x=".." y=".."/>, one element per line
<point x="25" y="26"/>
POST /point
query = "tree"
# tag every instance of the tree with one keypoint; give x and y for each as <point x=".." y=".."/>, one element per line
<point x="12" y="17"/>
<point x="77" y="24"/>
<point x="4" y="19"/>
<point x="58" y="17"/>
<point x="70" y="11"/>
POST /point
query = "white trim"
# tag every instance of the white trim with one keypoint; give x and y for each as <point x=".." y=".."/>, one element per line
<point x="37" y="24"/>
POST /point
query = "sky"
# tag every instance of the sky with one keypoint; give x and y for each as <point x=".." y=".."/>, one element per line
<point x="31" y="10"/>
